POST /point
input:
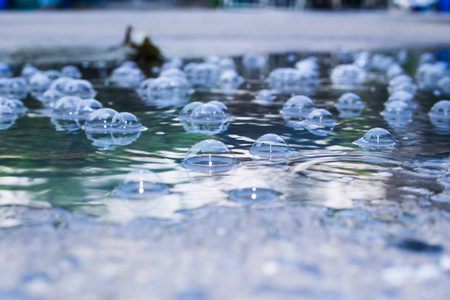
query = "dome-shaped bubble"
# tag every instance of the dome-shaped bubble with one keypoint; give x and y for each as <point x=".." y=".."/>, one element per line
<point x="141" y="184"/>
<point x="381" y="62"/>
<point x="59" y="84"/>
<point x="376" y="137"/>
<point x="230" y="80"/>
<point x="53" y="74"/>
<point x="444" y="85"/>
<point x="38" y="84"/>
<point x="427" y="58"/>
<point x="349" y="105"/>
<point x="309" y="63"/>
<point x="252" y="61"/>
<point x="363" y="60"/>
<point x="66" y="106"/>
<point x="210" y="156"/>
<point x="320" y="117"/>
<point x="208" y="114"/>
<point x="403" y="96"/>
<point x="168" y="91"/>
<point x="100" y="120"/>
<point x="293" y="81"/>
<point x="222" y="106"/>
<point x="173" y="72"/>
<point x="227" y="63"/>
<point x="129" y="64"/>
<point x="348" y="75"/>
<point x="298" y="107"/>
<point x="176" y="63"/>
<point x="440" y="114"/>
<point x="398" y="114"/>
<point x="266" y="95"/>
<point x="7" y="117"/>
<point x="187" y="111"/>
<point x="143" y="86"/>
<point x="28" y="70"/>
<point x="394" y="71"/>
<point x="86" y="107"/>
<point x="126" y="122"/>
<point x="79" y="88"/>
<point x="15" y="105"/>
<point x="16" y="88"/>
<point x="49" y="97"/>
<point x="71" y="71"/>
<point x="270" y="145"/>
<point x="5" y="70"/>
<point x="403" y="78"/>
<point x="253" y="191"/>
<point x="428" y="76"/>
<point x="403" y="86"/>
<point x="203" y="75"/>
<point x="127" y="77"/>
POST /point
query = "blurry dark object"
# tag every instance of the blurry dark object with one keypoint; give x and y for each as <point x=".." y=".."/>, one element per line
<point x="25" y="4"/>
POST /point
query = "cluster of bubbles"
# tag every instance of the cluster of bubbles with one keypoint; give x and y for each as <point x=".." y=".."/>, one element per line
<point x="208" y="118"/>
<point x="127" y="75"/>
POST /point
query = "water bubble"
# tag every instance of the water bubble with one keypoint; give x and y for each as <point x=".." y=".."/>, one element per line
<point x="38" y="84"/>
<point x="210" y="156"/>
<point x="142" y="88"/>
<point x="376" y="137"/>
<point x="440" y="114"/>
<point x="428" y="76"/>
<point x="266" y="95"/>
<point x="186" y="112"/>
<point x="252" y="61"/>
<point x="123" y="138"/>
<point x="172" y="63"/>
<point x="208" y="114"/>
<point x="351" y="75"/>
<point x="101" y="138"/>
<point x="402" y="96"/>
<point x="349" y="105"/>
<point x="363" y="60"/>
<point x="79" y="88"/>
<point x="173" y="72"/>
<point x="7" y="117"/>
<point x="71" y="71"/>
<point x="168" y="91"/>
<point x="394" y="71"/>
<point x="100" y="120"/>
<point x="66" y="107"/>
<point x="270" y="146"/>
<point x="444" y="85"/>
<point x="127" y="77"/>
<point x="222" y="106"/>
<point x="5" y="70"/>
<point x="230" y="80"/>
<point x="403" y="86"/>
<point x="53" y="74"/>
<point x="320" y="122"/>
<point x="28" y="70"/>
<point x="381" y="62"/>
<point x="427" y="58"/>
<point x="253" y="191"/>
<point x="17" y="107"/>
<point x="398" y="114"/>
<point x="126" y="122"/>
<point x="16" y="88"/>
<point x="86" y="107"/>
<point x="60" y="83"/>
<point x="227" y="63"/>
<point x="49" y="97"/>
<point x="202" y="75"/>
<point x="129" y="64"/>
<point x="297" y="107"/>
<point x="293" y="81"/>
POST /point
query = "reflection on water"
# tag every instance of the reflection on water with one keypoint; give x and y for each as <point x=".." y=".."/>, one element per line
<point x="42" y="167"/>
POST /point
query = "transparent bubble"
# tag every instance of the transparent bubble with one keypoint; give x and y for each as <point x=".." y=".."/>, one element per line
<point x="348" y="75"/>
<point x="227" y="63"/>
<point x="187" y="111"/>
<point x="349" y="105"/>
<point x="53" y="74"/>
<point x="381" y="62"/>
<point x="101" y="138"/>
<point x="100" y="120"/>
<point x="66" y="107"/>
<point x="208" y="114"/>
<point x="428" y="76"/>
<point x="38" y="84"/>
<point x="210" y="156"/>
<point x="129" y="64"/>
<point x="440" y="114"/>
<point x="252" y="191"/>
<point x="86" y="107"/>
<point x="202" y="75"/>
<point x="394" y="71"/>
<point x="403" y="96"/>
<point x="126" y="122"/>
<point x="320" y="122"/>
<point x="16" y="88"/>
<point x="252" y="61"/>
<point x="17" y="107"/>
<point x="127" y="77"/>
<point x="297" y="107"/>
<point x="270" y="145"/>
<point x="28" y="70"/>
<point x="309" y="63"/>
<point x="230" y="80"/>
<point x="59" y="84"/>
<point x="49" y="97"/>
<point x="444" y="85"/>
<point x="7" y="117"/>
<point x="293" y="81"/>
<point x="142" y="88"/>
<point x="427" y="58"/>
<point x="168" y="91"/>
<point x="5" y="70"/>
<point x="363" y="60"/>
<point x="123" y="138"/>
<point x="79" y="88"/>
<point x="173" y="73"/>
<point x="376" y="137"/>
<point x="71" y="71"/>
<point x="141" y="185"/>
<point x="398" y="114"/>
<point x="266" y="95"/>
<point x="173" y="63"/>
<point x="403" y="86"/>
<point x="222" y="106"/>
